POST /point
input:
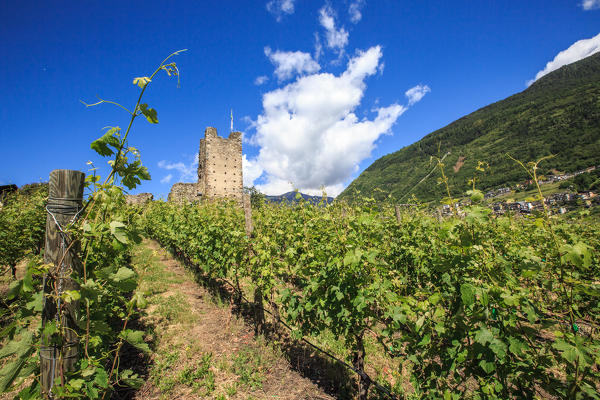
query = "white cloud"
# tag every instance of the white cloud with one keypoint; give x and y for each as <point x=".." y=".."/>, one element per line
<point x="415" y="94"/>
<point x="289" y="63"/>
<point x="318" y="47"/>
<point x="250" y="124"/>
<point x="251" y="171"/>
<point x="590" y="4"/>
<point x="354" y="10"/>
<point x="578" y="50"/>
<point x="280" y="7"/>
<point x="166" y="179"/>
<point x="309" y="134"/>
<point x="187" y="172"/>
<point x="261" y="80"/>
<point x="336" y="38"/>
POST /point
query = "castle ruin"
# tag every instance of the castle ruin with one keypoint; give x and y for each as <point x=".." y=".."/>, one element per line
<point x="138" y="199"/>
<point x="185" y="193"/>
<point x="219" y="170"/>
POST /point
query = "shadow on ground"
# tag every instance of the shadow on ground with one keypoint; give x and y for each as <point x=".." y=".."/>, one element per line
<point x="329" y="375"/>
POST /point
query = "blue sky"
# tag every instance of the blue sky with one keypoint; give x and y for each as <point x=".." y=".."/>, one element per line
<point x="320" y="88"/>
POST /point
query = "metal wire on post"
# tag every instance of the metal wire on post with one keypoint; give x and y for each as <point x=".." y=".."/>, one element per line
<point x="64" y="271"/>
<point x="382" y="389"/>
<point x="63" y="210"/>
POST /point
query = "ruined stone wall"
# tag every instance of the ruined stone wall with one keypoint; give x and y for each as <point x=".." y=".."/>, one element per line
<point x="220" y="165"/>
<point x="219" y="170"/>
<point x="136" y="199"/>
<point x="185" y="193"/>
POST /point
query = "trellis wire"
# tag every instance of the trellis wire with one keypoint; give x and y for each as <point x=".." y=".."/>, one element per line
<point x="53" y="208"/>
<point x="359" y="372"/>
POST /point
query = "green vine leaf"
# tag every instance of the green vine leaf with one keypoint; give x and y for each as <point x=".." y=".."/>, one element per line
<point x="123" y="274"/>
<point x="101" y="145"/>
<point x="487" y="366"/>
<point x="578" y="254"/>
<point x="117" y="229"/>
<point x="149" y="113"/>
<point x="136" y="339"/>
<point x="484" y="336"/>
<point x="141" y="81"/>
<point x="467" y="293"/>
<point x="71" y="295"/>
<point x="568" y="351"/>
<point x="23" y="349"/>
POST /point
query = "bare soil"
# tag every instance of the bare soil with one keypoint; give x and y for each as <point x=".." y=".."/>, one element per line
<point x="190" y="326"/>
<point x="459" y="163"/>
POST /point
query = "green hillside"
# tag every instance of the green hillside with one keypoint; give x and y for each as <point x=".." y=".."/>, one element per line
<point x="559" y="114"/>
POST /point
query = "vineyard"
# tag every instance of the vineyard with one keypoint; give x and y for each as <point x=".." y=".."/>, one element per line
<point x="414" y="305"/>
<point x="471" y="307"/>
<point x="475" y="307"/>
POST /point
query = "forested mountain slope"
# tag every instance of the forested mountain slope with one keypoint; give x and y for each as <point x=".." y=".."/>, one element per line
<point x="558" y="114"/>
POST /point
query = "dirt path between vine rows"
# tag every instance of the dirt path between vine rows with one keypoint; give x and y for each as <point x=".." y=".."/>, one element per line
<point x="201" y="350"/>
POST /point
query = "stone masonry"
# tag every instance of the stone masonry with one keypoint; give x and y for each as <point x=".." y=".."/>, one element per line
<point x="219" y="170"/>
<point x="184" y="193"/>
<point x="138" y="199"/>
<point x="220" y="165"/>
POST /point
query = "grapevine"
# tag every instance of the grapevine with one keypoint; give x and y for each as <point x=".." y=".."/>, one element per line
<point x="472" y="303"/>
<point x="106" y="285"/>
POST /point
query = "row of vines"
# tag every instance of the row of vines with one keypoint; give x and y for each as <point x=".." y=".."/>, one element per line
<point x="476" y="307"/>
<point x="89" y="293"/>
<point x="107" y="300"/>
<point x="22" y="218"/>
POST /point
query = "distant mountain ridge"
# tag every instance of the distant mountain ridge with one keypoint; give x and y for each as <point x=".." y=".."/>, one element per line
<point x="558" y="114"/>
<point x="290" y="197"/>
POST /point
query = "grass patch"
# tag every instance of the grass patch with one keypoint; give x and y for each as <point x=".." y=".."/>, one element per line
<point x="231" y="390"/>
<point x="168" y="372"/>
<point x="161" y="374"/>
<point x="154" y="277"/>
<point x="198" y="375"/>
<point x="174" y="309"/>
<point x="249" y="364"/>
<point x="217" y="366"/>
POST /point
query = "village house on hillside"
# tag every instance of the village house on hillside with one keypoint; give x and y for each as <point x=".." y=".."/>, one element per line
<point x="559" y="202"/>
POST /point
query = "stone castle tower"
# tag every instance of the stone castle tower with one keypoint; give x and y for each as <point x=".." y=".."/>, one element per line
<point x="220" y="165"/>
<point x="219" y="170"/>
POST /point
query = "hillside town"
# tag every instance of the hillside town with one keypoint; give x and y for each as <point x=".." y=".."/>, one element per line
<point x="560" y="202"/>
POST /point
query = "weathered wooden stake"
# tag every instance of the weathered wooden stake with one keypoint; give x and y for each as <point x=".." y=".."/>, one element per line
<point x="248" y="215"/>
<point x="359" y="364"/>
<point x="276" y="315"/>
<point x="65" y="196"/>
<point x="398" y="216"/>
<point x="259" y="313"/>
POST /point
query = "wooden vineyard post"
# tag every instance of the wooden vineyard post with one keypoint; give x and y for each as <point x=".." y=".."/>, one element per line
<point x="359" y="363"/>
<point x="65" y="196"/>
<point x="259" y="313"/>
<point x="248" y="215"/>
<point x="398" y="217"/>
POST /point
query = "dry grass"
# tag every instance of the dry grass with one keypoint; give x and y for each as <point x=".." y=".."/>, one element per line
<point x="202" y="350"/>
